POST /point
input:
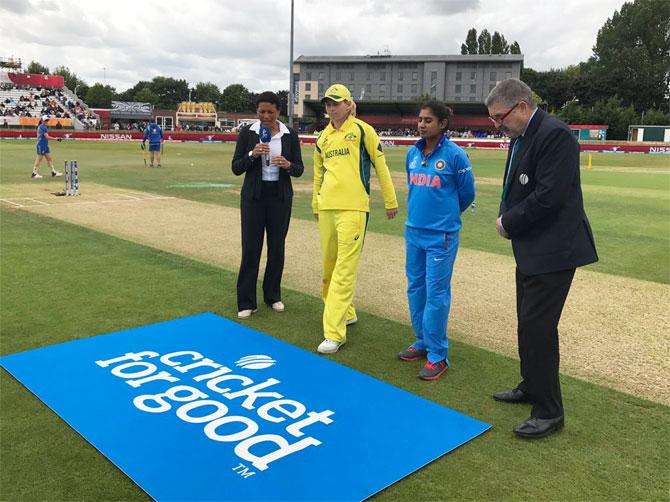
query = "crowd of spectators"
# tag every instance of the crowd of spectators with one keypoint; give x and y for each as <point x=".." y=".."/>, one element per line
<point x="201" y="128"/>
<point x="468" y="133"/>
<point x="404" y="131"/>
<point x="129" y="125"/>
<point x="456" y="133"/>
<point x="33" y="104"/>
<point x="52" y="102"/>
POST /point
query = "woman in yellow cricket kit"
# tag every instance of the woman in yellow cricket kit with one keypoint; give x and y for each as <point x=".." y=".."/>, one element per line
<point x="345" y="151"/>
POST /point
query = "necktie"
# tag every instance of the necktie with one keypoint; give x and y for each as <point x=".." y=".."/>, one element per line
<point x="515" y="148"/>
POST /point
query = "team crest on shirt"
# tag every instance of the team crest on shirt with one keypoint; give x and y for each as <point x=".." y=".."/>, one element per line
<point x="350" y="136"/>
<point x="440" y="164"/>
<point x="523" y="178"/>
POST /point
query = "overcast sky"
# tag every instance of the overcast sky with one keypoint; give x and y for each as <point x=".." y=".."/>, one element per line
<point x="247" y="41"/>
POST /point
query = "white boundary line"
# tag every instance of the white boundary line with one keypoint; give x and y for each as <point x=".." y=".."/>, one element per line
<point x="92" y="202"/>
<point x="121" y="194"/>
<point x="109" y="201"/>
<point x="12" y="203"/>
<point x="39" y="202"/>
<point x="143" y="195"/>
<point x="123" y="197"/>
<point x="117" y="194"/>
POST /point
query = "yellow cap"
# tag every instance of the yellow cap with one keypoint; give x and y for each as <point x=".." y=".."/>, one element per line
<point x="337" y="93"/>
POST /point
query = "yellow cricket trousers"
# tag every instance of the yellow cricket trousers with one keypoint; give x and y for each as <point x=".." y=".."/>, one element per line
<point x="342" y="234"/>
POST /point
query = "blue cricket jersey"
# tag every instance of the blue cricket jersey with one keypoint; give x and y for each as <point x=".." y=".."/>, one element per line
<point x="154" y="133"/>
<point x="441" y="186"/>
<point x="42" y="141"/>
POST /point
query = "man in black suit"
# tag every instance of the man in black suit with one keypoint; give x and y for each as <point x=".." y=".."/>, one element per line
<point x="542" y="212"/>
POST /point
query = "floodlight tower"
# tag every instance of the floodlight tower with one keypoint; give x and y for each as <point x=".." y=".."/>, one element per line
<point x="290" y="76"/>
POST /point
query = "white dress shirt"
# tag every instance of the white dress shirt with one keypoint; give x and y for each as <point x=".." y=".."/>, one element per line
<point x="271" y="172"/>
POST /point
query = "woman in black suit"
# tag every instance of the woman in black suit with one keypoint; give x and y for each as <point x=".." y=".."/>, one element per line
<point x="265" y="202"/>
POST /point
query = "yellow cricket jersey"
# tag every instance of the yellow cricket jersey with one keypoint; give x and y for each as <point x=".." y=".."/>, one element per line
<point x="342" y="161"/>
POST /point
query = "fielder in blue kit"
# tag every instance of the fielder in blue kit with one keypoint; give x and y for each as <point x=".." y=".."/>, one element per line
<point x="154" y="134"/>
<point x="441" y="186"/>
<point x="42" y="149"/>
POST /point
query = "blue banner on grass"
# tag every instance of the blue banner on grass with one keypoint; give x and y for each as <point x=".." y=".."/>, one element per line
<point x="202" y="408"/>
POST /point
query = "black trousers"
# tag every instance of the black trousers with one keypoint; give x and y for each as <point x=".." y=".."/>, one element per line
<point x="539" y="303"/>
<point x="269" y="215"/>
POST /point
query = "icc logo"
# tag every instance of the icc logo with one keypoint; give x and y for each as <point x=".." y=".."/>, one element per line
<point x="255" y="362"/>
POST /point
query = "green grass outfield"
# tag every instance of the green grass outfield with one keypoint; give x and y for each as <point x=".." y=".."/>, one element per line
<point x="614" y="447"/>
<point x="627" y="196"/>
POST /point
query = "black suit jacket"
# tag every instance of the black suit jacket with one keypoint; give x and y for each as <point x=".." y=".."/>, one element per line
<point x="542" y="207"/>
<point x="253" y="168"/>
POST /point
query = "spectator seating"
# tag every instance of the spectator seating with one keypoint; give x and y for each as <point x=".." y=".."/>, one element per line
<point x="25" y="106"/>
<point x="28" y="105"/>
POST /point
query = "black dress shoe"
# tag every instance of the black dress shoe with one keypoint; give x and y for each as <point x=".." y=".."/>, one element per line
<point x="512" y="396"/>
<point x="539" y="427"/>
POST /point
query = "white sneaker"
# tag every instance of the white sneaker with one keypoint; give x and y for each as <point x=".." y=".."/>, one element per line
<point x="36" y="176"/>
<point x="246" y="314"/>
<point x="278" y="307"/>
<point x="329" y="346"/>
<point x="351" y="321"/>
<point x="55" y="174"/>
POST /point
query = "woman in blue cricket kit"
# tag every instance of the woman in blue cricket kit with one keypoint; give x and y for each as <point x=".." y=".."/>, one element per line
<point x="43" y="151"/>
<point x="441" y="186"/>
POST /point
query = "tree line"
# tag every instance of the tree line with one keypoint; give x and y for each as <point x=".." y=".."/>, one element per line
<point x="161" y="92"/>
<point x="485" y="43"/>
<point x="625" y="81"/>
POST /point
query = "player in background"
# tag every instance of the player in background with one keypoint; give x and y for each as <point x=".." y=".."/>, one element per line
<point x="43" y="151"/>
<point x="441" y="186"/>
<point x="154" y="134"/>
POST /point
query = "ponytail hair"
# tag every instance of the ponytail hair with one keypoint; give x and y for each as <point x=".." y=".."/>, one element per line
<point x="352" y="107"/>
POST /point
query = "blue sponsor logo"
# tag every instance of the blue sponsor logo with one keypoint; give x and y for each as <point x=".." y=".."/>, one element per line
<point x="203" y="408"/>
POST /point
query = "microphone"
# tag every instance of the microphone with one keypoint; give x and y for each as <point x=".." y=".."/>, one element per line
<point x="266" y="136"/>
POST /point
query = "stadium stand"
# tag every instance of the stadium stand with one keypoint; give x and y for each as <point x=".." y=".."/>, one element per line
<point x="461" y="126"/>
<point x="200" y="116"/>
<point x="22" y="104"/>
<point x="5" y="80"/>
